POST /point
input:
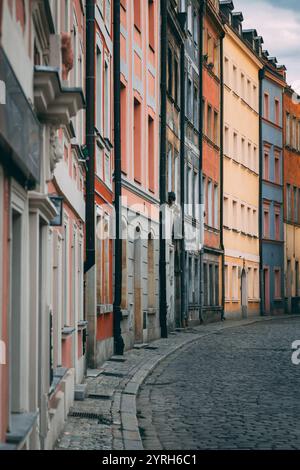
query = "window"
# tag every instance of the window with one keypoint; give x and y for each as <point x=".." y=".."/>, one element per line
<point x="288" y="202"/>
<point x="250" y="163"/>
<point x="242" y="85"/>
<point x="190" y="280"/>
<point x="234" y="283"/>
<point x="209" y="201"/>
<point x="255" y="162"/>
<point x="294" y="133"/>
<point x="151" y="272"/>
<point x="216" y="285"/>
<point x="243" y="218"/>
<point x="195" y="107"/>
<point x="190" y="193"/>
<point x="99" y="162"/>
<point x="124" y="128"/>
<point x="295" y="204"/>
<point x="170" y="72"/>
<point x="216" y="127"/>
<point x="151" y="155"/>
<point x="189" y="98"/>
<point x="297" y="280"/>
<point x="255" y="222"/>
<point x="234" y="78"/>
<point x="248" y="97"/>
<point x="277" y="167"/>
<point x="195" y="28"/>
<point x="205" y="270"/>
<point x="226" y="140"/>
<point x="170" y="172"/>
<point x="266" y="213"/>
<point x="216" y="206"/>
<point x="288" y="129"/>
<point x="234" y="215"/>
<point x="151" y="23"/>
<point x="256" y="283"/>
<point x="277" y="112"/>
<point x="107" y="99"/>
<point x="176" y="81"/>
<point x="137" y="14"/>
<point x="226" y="211"/>
<point x="266" y="164"/>
<point x="254" y="97"/>
<point x="137" y="142"/>
<point x="277" y="282"/>
<point x="107" y="170"/>
<point x="235" y="146"/>
<point x="209" y="122"/>
<point x="266" y="106"/>
<point x="226" y="276"/>
<point x="226" y="71"/>
<point x="277" y="223"/>
<point x="248" y="221"/>
<point x="250" y="283"/>
<point x="196" y="192"/>
<point x="99" y="91"/>
<point x="177" y="175"/>
<point x="243" y="152"/>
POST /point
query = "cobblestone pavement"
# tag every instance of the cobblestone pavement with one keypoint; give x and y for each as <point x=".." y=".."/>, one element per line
<point x="235" y="389"/>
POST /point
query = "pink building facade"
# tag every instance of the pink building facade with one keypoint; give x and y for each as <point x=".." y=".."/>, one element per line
<point x="140" y="93"/>
<point x="42" y="328"/>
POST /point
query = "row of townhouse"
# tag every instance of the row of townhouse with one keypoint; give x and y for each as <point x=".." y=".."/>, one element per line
<point x="149" y="180"/>
<point x="42" y="213"/>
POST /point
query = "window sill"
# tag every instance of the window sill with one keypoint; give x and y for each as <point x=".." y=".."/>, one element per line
<point x="21" y="426"/>
<point x="82" y="325"/>
<point x="102" y="309"/>
<point x="67" y="331"/>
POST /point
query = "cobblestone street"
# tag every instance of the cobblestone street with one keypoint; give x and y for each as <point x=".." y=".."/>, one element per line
<point x="235" y="389"/>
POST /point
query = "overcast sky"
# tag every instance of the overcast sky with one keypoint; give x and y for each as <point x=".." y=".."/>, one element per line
<point x="278" y="22"/>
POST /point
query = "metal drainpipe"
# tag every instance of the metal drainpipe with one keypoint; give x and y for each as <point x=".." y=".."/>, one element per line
<point x="117" y="313"/>
<point x="162" y="173"/>
<point x="260" y="209"/>
<point x="182" y="184"/>
<point x="89" y="265"/>
<point x="222" y="172"/>
<point x="90" y="134"/>
<point x="201" y="17"/>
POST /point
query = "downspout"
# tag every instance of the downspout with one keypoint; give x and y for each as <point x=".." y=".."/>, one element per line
<point x="260" y="209"/>
<point x="201" y="18"/>
<point x="162" y="173"/>
<point x="117" y="313"/>
<point x="89" y="266"/>
<point x="222" y="172"/>
<point x="182" y="185"/>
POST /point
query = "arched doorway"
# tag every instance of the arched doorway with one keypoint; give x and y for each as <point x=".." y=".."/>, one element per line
<point x="137" y="286"/>
<point x="244" y="294"/>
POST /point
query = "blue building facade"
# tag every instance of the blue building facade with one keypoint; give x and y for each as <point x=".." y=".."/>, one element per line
<point x="272" y="228"/>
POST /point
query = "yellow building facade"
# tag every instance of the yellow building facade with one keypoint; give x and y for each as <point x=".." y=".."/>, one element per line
<point x="241" y="174"/>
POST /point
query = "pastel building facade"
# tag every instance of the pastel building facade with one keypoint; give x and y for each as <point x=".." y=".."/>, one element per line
<point x="241" y="169"/>
<point x="42" y="209"/>
<point x="272" y="233"/>
<point x="291" y="152"/>
<point x="99" y="278"/>
<point x="212" y="263"/>
<point x="140" y="95"/>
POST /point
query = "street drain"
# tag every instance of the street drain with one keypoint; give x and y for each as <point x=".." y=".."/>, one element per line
<point x="87" y="415"/>
<point x="152" y="348"/>
<point x="113" y="374"/>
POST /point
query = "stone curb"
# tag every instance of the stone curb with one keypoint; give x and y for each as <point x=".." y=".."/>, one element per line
<point x="125" y="399"/>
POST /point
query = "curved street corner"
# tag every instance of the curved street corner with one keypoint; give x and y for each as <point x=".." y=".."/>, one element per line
<point x="235" y="389"/>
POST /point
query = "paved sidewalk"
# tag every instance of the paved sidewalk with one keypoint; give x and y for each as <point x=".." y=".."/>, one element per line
<point x="107" y="418"/>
